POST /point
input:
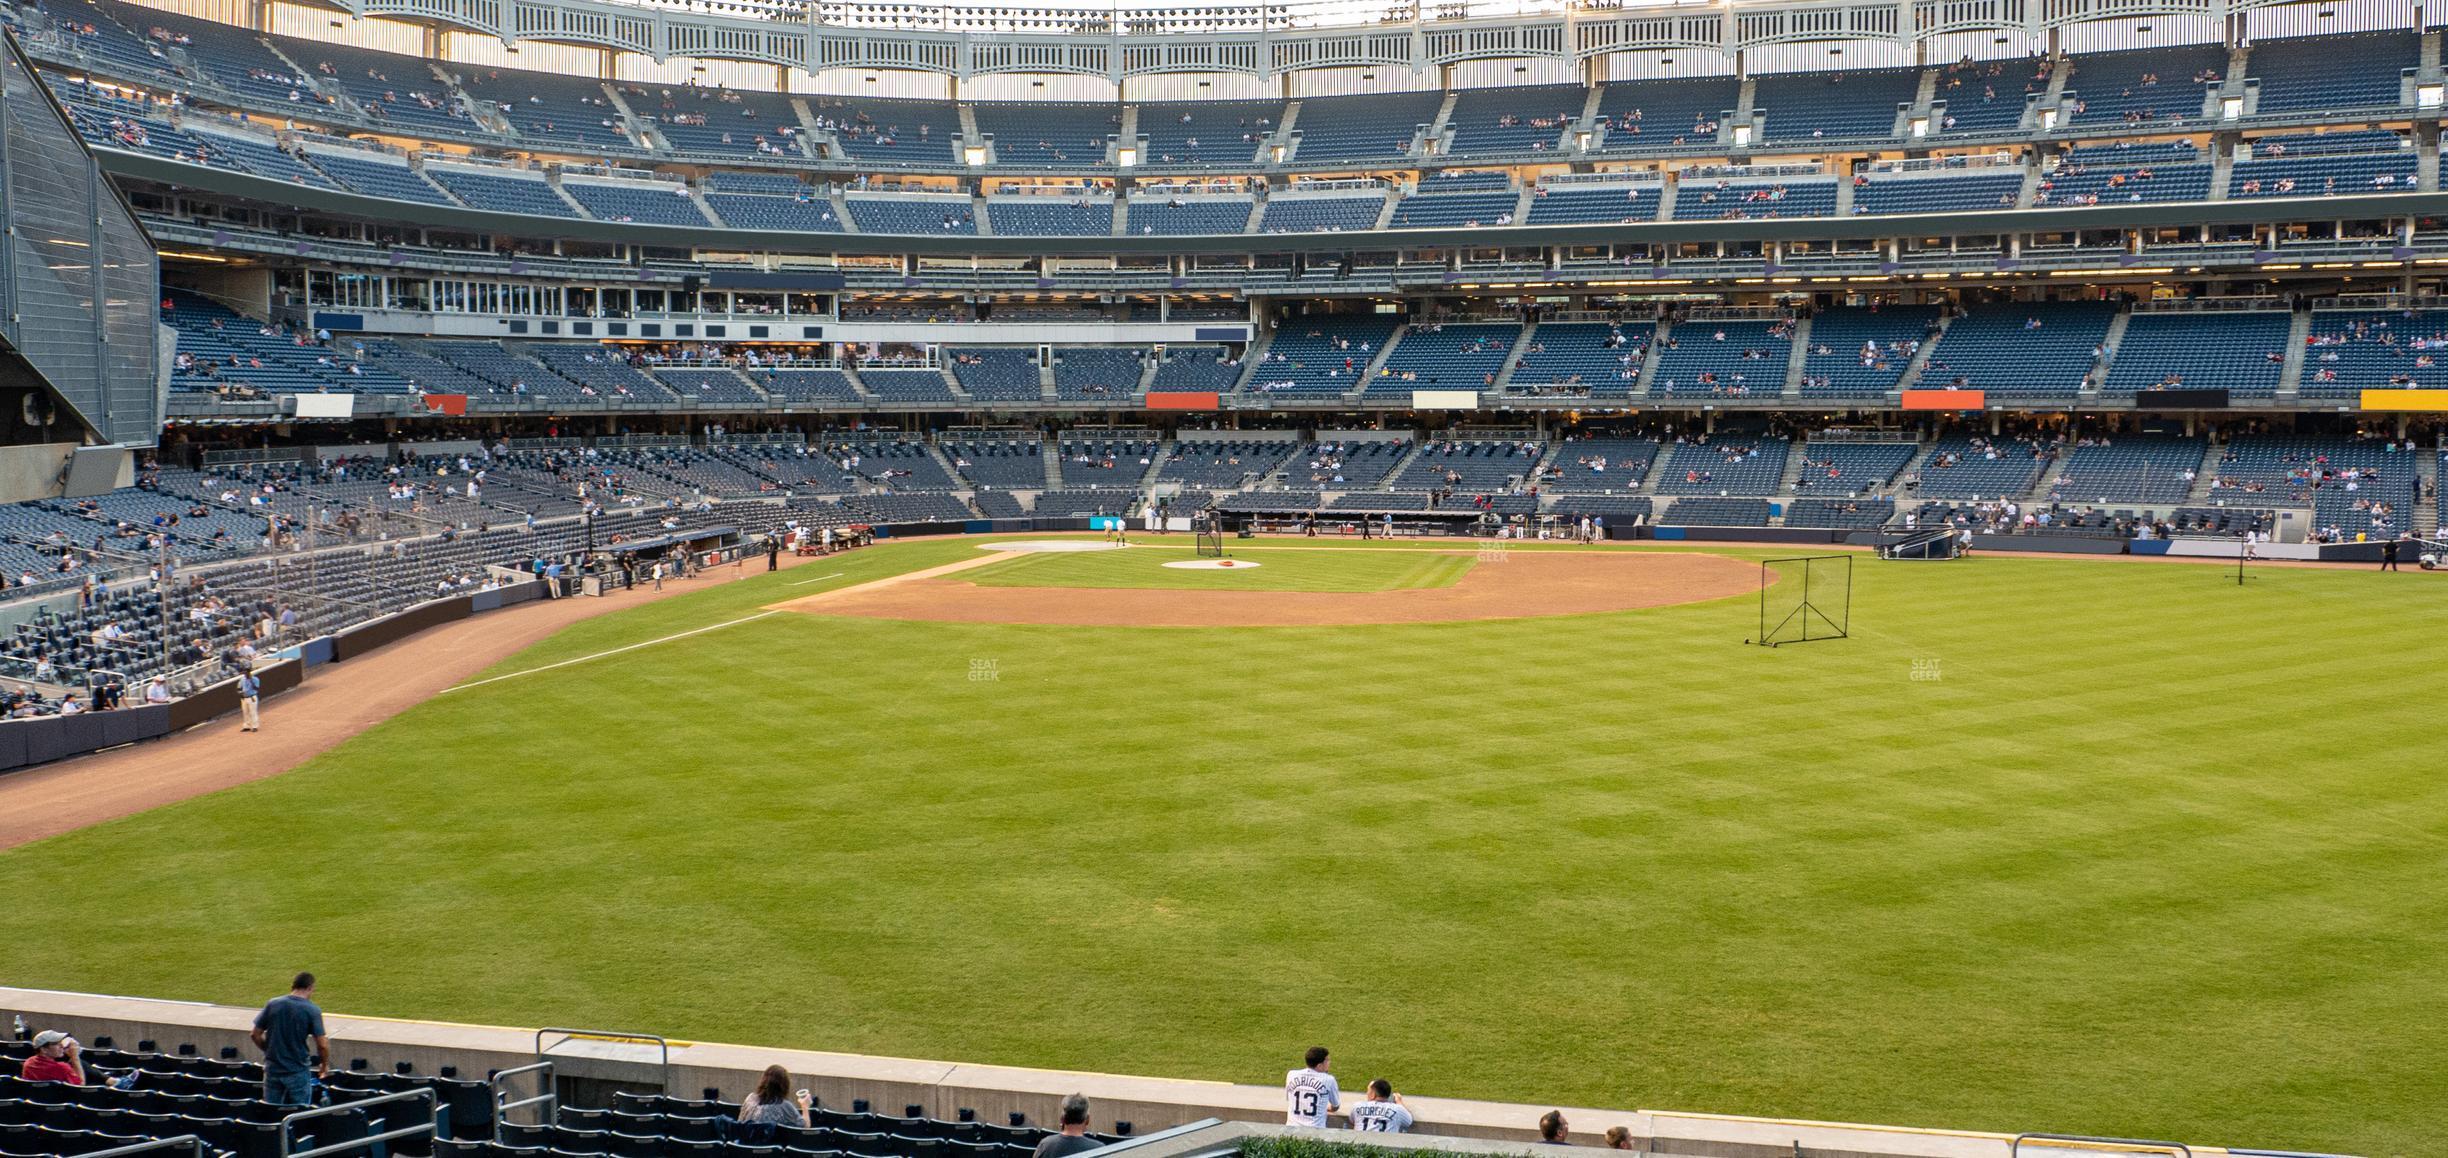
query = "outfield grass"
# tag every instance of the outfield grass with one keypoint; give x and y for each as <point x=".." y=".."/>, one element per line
<point x="1279" y="568"/>
<point x="2150" y="855"/>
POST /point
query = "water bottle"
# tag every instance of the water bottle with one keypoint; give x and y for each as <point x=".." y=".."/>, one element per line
<point x="18" y="1026"/>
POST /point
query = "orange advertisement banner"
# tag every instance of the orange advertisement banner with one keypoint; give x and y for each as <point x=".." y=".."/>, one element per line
<point x="1184" y="400"/>
<point x="1945" y="399"/>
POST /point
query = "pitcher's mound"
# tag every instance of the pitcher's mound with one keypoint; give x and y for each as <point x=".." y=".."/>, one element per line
<point x="1517" y="585"/>
<point x="1212" y="565"/>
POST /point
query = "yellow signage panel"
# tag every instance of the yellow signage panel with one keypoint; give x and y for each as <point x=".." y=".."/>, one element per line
<point x="2423" y="400"/>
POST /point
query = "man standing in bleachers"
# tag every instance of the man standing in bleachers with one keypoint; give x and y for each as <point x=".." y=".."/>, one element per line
<point x="287" y="1028"/>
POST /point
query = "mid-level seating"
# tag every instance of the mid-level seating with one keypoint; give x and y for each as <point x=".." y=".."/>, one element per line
<point x="807" y="385"/>
<point x="1051" y="216"/>
<point x="1614" y="510"/>
<point x="803" y="212"/>
<point x="500" y="190"/>
<point x="1010" y="463"/>
<point x="997" y="373"/>
<point x="1715" y="199"/>
<point x="1318" y="213"/>
<point x="1178" y="215"/>
<point x="2350" y="351"/>
<point x="1975" y="97"/>
<point x="1729" y="464"/>
<point x="1197" y="368"/>
<point x="2242" y="353"/>
<point x="400" y="91"/>
<point x="1098" y="373"/>
<point x="1943" y="192"/>
<point x="1217" y="465"/>
<point x="906" y="384"/>
<point x="1979" y="467"/>
<point x="1599" y="359"/>
<point x="636" y="201"/>
<point x="1850" y="469"/>
<point x="1711" y="511"/>
<point x="1454" y="210"/>
<point x="912" y="214"/>
<point x="1332" y="463"/>
<point x="1862" y="353"/>
<point x="377" y="178"/>
<point x="1432" y="356"/>
<point x="1856" y="514"/>
<point x="1723" y="358"/>
<point x="1106" y="462"/>
<point x="1468" y="466"/>
<point x="1601" y="465"/>
<point x="2117" y="174"/>
<point x="1321" y="355"/>
<point x="2133" y="468"/>
<point x="1578" y="204"/>
<point x="2020" y="349"/>
<point x="2389" y="168"/>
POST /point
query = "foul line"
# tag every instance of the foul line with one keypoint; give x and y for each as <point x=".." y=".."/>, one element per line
<point x="818" y="579"/>
<point x="603" y="654"/>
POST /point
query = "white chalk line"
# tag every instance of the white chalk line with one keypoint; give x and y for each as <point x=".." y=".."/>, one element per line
<point x="818" y="579"/>
<point x="613" y="652"/>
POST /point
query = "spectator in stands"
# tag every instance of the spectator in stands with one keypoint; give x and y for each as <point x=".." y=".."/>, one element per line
<point x="56" y="1058"/>
<point x="772" y="1102"/>
<point x="287" y="1027"/>
<point x="1553" y="1129"/>
<point x="1383" y="1112"/>
<point x="1073" y="1138"/>
<point x="1619" y="1138"/>
<point x="1310" y="1093"/>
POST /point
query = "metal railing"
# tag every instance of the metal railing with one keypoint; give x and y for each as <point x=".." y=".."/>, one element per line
<point x="188" y="1142"/>
<point x="497" y="1092"/>
<point x="432" y="1128"/>
<point x="2015" y="1147"/>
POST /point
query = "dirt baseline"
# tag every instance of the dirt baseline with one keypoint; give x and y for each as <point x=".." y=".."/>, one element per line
<point x="1518" y="585"/>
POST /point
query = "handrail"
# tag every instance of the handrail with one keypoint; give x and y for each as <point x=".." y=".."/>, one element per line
<point x="431" y="1128"/>
<point x="568" y="1034"/>
<point x="2016" y="1146"/>
<point x="496" y="1091"/>
<point x="187" y="1140"/>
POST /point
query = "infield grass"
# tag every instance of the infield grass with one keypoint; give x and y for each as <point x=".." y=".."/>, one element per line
<point x="2139" y="852"/>
<point x="1279" y="568"/>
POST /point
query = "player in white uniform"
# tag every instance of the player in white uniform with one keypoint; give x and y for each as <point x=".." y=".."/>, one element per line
<point x="1383" y="1112"/>
<point x="1310" y="1092"/>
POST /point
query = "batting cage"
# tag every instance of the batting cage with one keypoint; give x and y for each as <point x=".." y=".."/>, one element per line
<point x="1804" y="598"/>
<point x="1209" y="527"/>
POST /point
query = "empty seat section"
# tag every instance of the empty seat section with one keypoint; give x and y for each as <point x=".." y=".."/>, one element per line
<point x="1051" y="216"/>
<point x="1173" y="216"/>
<point x="2145" y="86"/>
<point x="1712" y="199"/>
<point x="1728" y="464"/>
<point x="1369" y="127"/>
<point x="1833" y="105"/>
<point x="1527" y="119"/>
<point x="1594" y="204"/>
<point x="1046" y="136"/>
<point x="996" y="373"/>
<point x="1653" y="115"/>
<point x="1325" y="354"/>
<point x="1863" y="353"/>
<point x="1937" y="192"/>
<point x="1321" y="213"/>
<point x="1431" y="356"/>
<point x="912" y="214"/>
<point x="1599" y="359"/>
<point x="2241" y="353"/>
<point x="2020" y="349"/>
<point x="636" y="201"/>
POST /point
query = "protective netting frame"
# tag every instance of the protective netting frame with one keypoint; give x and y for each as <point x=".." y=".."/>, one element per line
<point x="1821" y="600"/>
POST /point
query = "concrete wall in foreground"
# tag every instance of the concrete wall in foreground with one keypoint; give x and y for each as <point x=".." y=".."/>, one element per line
<point x="945" y="1088"/>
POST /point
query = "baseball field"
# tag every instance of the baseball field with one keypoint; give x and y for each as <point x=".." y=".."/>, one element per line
<point x="2100" y="847"/>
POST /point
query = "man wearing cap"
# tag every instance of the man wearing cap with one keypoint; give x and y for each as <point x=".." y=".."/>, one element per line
<point x="57" y="1058"/>
<point x="289" y="1026"/>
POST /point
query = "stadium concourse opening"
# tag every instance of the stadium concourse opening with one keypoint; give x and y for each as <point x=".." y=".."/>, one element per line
<point x="1497" y="584"/>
